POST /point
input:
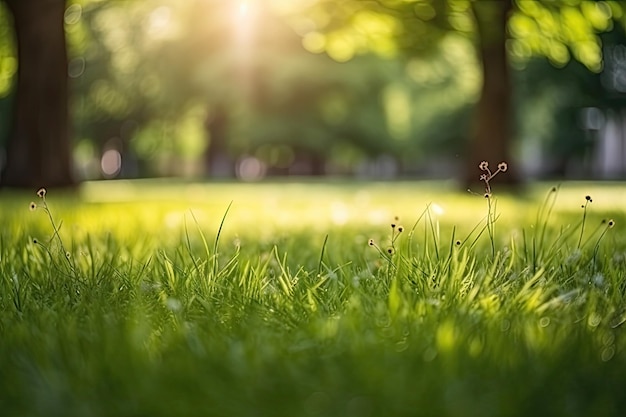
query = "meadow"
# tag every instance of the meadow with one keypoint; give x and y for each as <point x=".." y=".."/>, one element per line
<point x="306" y="298"/>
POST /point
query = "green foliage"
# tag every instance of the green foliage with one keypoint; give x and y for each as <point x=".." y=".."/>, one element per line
<point x="140" y="81"/>
<point x="8" y="68"/>
<point x="563" y="30"/>
<point x="8" y="62"/>
<point x="399" y="78"/>
<point x="558" y="30"/>
<point x="282" y="308"/>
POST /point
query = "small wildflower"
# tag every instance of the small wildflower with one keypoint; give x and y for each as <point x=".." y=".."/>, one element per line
<point x="68" y="255"/>
<point x="400" y="229"/>
<point x="487" y="195"/>
<point x="502" y="166"/>
<point x="553" y="189"/>
<point x="32" y="206"/>
<point x="483" y="177"/>
<point x="484" y="166"/>
<point x="458" y="243"/>
<point x="393" y="225"/>
<point x="370" y="242"/>
<point x="588" y="198"/>
<point x="35" y="241"/>
<point x="390" y="251"/>
<point x="611" y="223"/>
<point x="396" y="218"/>
<point x="41" y="193"/>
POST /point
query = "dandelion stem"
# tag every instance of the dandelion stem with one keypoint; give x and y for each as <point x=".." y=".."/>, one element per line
<point x="582" y="226"/>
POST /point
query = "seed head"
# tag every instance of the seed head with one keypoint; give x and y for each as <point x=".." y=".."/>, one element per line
<point x="370" y="242"/>
<point x="32" y="206"/>
<point x="400" y="229"/>
<point x="487" y="195"/>
<point x="41" y="193"/>
<point x="502" y="166"/>
<point x="611" y="223"/>
<point x="458" y="243"/>
<point x="484" y="166"/>
<point x="588" y="198"/>
<point x="483" y="177"/>
<point x="35" y="241"/>
<point x="390" y="251"/>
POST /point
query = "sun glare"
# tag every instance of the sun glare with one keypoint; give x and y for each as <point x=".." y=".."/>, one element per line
<point x="243" y="9"/>
<point x="243" y="20"/>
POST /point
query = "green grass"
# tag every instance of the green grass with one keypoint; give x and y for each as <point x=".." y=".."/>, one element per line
<point x="163" y="299"/>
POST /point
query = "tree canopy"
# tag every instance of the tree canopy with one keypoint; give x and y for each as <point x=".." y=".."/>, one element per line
<point x="504" y="34"/>
<point x="168" y="87"/>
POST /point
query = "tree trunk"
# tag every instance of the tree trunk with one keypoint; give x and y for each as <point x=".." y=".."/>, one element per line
<point x="491" y="132"/>
<point x="38" y="149"/>
<point x="218" y="161"/>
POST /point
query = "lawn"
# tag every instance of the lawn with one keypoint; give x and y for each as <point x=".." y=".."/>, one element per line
<point x="164" y="298"/>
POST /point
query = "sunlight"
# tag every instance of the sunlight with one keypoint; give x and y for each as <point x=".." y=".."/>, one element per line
<point x="243" y="21"/>
<point x="243" y="14"/>
<point x="243" y="9"/>
<point x="437" y="209"/>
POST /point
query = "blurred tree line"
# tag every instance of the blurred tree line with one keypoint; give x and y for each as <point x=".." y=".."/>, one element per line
<point x="308" y="87"/>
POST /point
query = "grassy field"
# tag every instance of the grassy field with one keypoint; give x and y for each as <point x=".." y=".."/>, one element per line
<point x="161" y="298"/>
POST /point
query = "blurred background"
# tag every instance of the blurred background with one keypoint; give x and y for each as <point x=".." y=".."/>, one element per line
<point x="362" y="89"/>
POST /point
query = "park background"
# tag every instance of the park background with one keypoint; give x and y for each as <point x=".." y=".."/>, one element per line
<point x="359" y="89"/>
<point x="364" y="291"/>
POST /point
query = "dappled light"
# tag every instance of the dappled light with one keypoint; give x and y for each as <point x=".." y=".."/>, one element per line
<point x="542" y="30"/>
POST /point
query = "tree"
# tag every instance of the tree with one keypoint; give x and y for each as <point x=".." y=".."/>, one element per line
<point x="263" y="95"/>
<point x="490" y="133"/>
<point x="39" y="146"/>
<point x="502" y="31"/>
